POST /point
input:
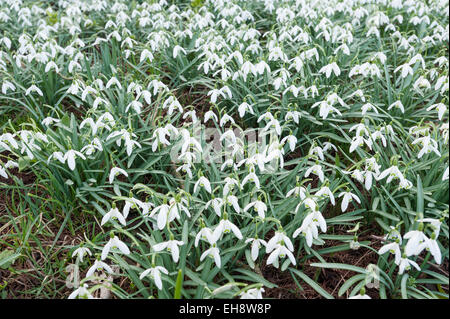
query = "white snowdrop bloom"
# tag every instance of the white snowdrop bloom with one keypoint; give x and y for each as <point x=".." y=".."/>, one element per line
<point x="203" y="182"/>
<point x="360" y="296"/>
<point x="212" y="252"/>
<point x="49" y="121"/>
<point x="127" y="137"/>
<point x="113" y="243"/>
<point x="258" y="206"/>
<point x="243" y="108"/>
<point x="446" y="173"/>
<point x="328" y="69"/>
<point x="115" y="171"/>
<point x="280" y="251"/>
<point x="6" y="85"/>
<point x="171" y="246"/>
<point x="224" y="227"/>
<point x="252" y="177"/>
<point x="146" y="54"/>
<point x="316" y="170"/>
<point x="176" y="51"/>
<point x="405" y="264"/>
<point x="393" y="248"/>
<point x="347" y="198"/>
<point x="393" y="172"/>
<point x="279" y="238"/>
<point x="256" y="245"/>
<point x="135" y="105"/>
<point x="3" y="172"/>
<point x="99" y="266"/>
<point x="368" y="107"/>
<point x="113" y="213"/>
<point x="81" y="292"/>
<point x="155" y="274"/>
<point x="405" y="70"/>
<point x="172" y="104"/>
<point x="417" y="241"/>
<point x="325" y="191"/>
<point x="205" y="234"/>
<point x="291" y="140"/>
<point x="34" y="88"/>
<point x="216" y="204"/>
<point x="428" y="145"/>
<point x="225" y="119"/>
<point x="325" y="109"/>
<point x="163" y="214"/>
<point x="113" y="81"/>
<point x="440" y="107"/>
<point x="253" y="293"/>
<point x="51" y="65"/>
<point x="70" y="157"/>
<point x="192" y="115"/>
<point x="210" y="115"/>
<point x="294" y="115"/>
<point x="297" y="191"/>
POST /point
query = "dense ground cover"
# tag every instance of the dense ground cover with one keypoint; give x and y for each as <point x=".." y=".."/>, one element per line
<point x="223" y="149"/>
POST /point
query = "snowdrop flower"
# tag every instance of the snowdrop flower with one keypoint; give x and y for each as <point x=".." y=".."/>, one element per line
<point x="324" y="191"/>
<point x="252" y="177"/>
<point x="368" y="107"/>
<point x="99" y="266"/>
<point x="316" y="170"/>
<point x="80" y="252"/>
<point x="171" y="246"/>
<point x="34" y="88"/>
<point x="224" y="227"/>
<point x="214" y="253"/>
<point x="49" y="121"/>
<point x="81" y="292"/>
<point x="253" y="293"/>
<point x="216" y="204"/>
<point x="405" y="70"/>
<point x="309" y="227"/>
<point x="393" y="172"/>
<point x="256" y="245"/>
<point x="203" y="182"/>
<point x="146" y="54"/>
<point x="70" y="157"/>
<point x="210" y="115"/>
<point x="258" y="206"/>
<point x="405" y="264"/>
<point x="3" y="172"/>
<point x="243" y="108"/>
<point x="327" y="69"/>
<point x="417" y="241"/>
<point x="440" y="107"/>
<point x="297" y="191"/>
<point x="115" y="171"/>
<point x="176" y="50"/>
<point x="6" y="85"/>
<point x="280" y="251"/>
<point x="428" y="145"/>
<point x="225" y="119"/>
<point x="155" y="274"/>
<point x="206" y="234"/>
<point x="397" y="104"/>
<point x="113" y="213"/>
<point x="347" y="198"/>
<point x="291" y="139"/>
<point x="114" y="242"/>
<point x="393" y="248"/>
<point x="279" y="238"/>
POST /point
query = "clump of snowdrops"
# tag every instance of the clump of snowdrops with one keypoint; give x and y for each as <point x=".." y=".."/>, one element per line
<point x="111" y="103"/>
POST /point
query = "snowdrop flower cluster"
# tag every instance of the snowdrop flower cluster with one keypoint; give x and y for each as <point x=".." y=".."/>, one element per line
<point x="224" y="139"/>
